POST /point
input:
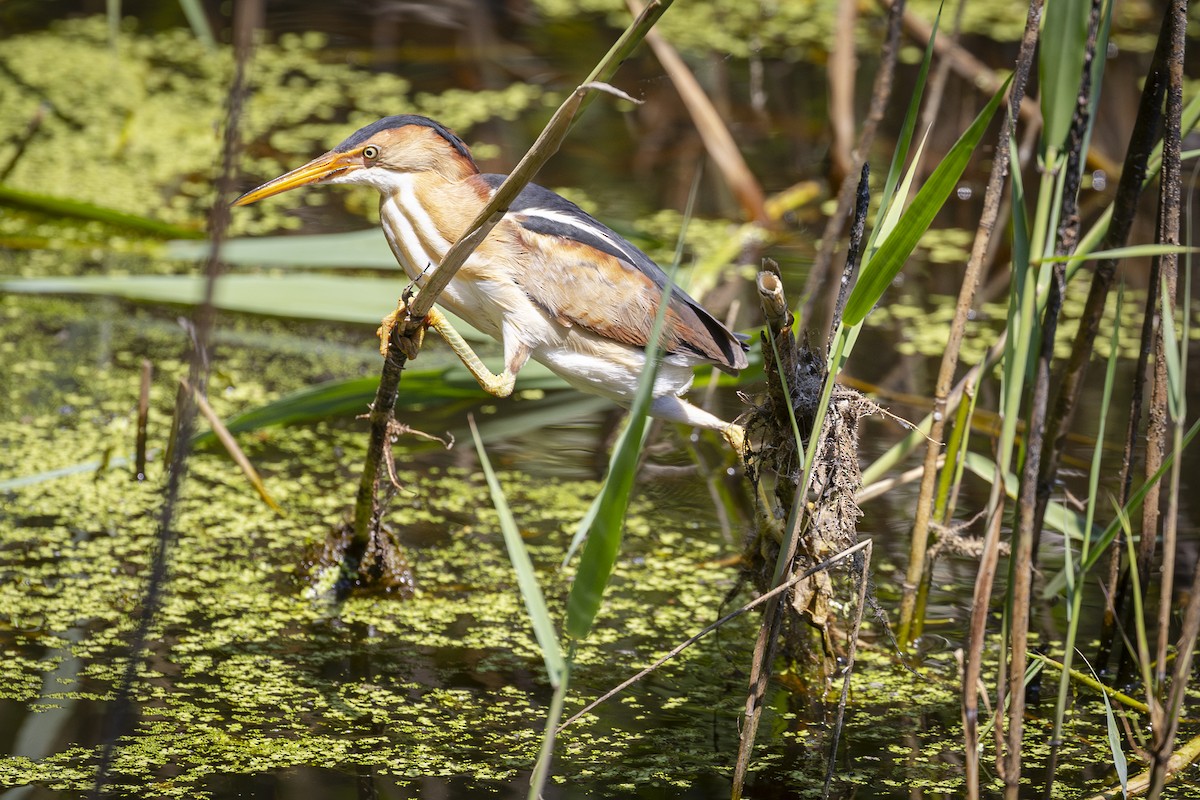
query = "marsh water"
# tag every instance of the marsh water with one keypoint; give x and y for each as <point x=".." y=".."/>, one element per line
<point x="260" y="681"/>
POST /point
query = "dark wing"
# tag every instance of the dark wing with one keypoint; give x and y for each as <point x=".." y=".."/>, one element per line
<point x="594" y="278"/>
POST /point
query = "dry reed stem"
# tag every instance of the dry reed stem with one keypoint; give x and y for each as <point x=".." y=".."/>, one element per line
<point x="119" y="714"/>
<point x="718" y="141"/>
<point x="987" y="567"/>
<point x="1071" y="377"/>
<point x="231" y="446"/>
<point x="1168" y="233"/>
<point x="143" y="419"/>
<point x="1028" y="534"/>
<point x="779" y="322"/>
<point x="843" y="66"/>
<point x="880" y="94"/>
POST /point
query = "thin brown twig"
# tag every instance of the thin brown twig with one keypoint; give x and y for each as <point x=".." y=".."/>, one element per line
<point x="848" y="670"/>
<point x="1170" y="195"/>
<point x="143" y="418"/>
<point x="120" y="713"/>
<point x="679" y="648"/>
<point x="819" y="274"/>
<point x="987" y="566"/>
<point x="1026" y="535"/>
<point x="231" y="446"/>
<point x="843" y="66"/>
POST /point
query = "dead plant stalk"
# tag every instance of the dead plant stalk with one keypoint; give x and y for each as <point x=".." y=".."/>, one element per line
<point x="987" y="568"/>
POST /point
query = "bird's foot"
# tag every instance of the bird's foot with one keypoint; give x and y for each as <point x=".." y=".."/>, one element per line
<point x="411" y="345"/>
<point x="735" y="435"/>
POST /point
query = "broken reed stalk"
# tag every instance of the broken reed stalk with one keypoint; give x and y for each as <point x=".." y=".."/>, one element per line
<point x="779" y="328"/>
<point x="973" y="657"/>
<point x="783" y="364"/>
<point x="840" y="74"/>
<point x="403" y="342"/>
<point x="119" y="714"/>
<point x="1027" y="535"/>
<point x="818" y="277"/>
<point x="231" y="446"/>
<point x="853" y="252"/>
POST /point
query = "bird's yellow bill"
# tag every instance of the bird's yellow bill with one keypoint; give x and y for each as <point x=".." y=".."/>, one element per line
<point x="320" y="168"/>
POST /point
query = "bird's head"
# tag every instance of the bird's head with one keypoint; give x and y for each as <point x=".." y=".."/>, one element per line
<point x="380" y="155"/>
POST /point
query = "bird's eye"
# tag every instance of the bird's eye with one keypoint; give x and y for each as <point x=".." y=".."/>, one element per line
<point x="370" y="152"/>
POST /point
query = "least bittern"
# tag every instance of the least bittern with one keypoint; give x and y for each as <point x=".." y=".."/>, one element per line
<point x="550" y="282"/>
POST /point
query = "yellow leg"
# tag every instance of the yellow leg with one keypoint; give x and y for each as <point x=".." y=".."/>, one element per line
<point x="735" y="435"/>
<point x="497" y="385"/>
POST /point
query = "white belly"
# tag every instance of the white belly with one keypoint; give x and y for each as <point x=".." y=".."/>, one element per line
<point x="608" y="369"/>
<point x="401" y="225"/>
<point x="588" y="362"/>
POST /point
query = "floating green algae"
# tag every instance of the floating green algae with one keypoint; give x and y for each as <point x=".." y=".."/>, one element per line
<point x="252" y="672"/>
<point x="795" y="30"/>
<point x="249" y="670"/>
<point x="135" y="124"/>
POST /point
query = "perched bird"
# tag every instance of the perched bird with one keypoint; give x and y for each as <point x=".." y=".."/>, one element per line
<point x="550" y="282"/>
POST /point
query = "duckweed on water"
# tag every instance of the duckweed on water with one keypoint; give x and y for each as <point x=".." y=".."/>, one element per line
<point x="803" y="30"/>
<point x="159" y="102"/>
<point x="924" y="324"/>
<point x="250" y="674"/>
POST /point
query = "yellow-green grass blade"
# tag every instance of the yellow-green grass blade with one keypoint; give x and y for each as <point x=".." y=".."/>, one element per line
<point x="531" y="591"/>
<point x="1132" y="251"/>
<point x="314" y="297"/>
<point x="356" y="249"/>
<point x="52" y="205"/>
<point x="877" y="274"/>
<point x="904" y="140"/>
<point x="605" y="519"/>
<point x="1060" y="65"/>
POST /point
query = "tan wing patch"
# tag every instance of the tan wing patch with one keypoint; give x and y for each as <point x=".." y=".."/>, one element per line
<point x="580" y="285"/>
